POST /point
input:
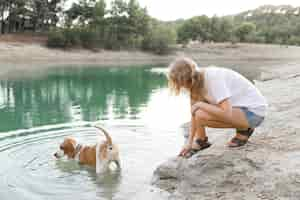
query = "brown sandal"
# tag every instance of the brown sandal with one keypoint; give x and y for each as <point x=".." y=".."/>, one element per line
<point x="203" y="144"/>
<point x="237" y="142"/>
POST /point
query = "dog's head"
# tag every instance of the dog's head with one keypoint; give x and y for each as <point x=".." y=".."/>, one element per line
<point x="67" y="148"/>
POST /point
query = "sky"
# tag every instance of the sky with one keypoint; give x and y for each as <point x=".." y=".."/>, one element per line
<point x="175" y="9"/>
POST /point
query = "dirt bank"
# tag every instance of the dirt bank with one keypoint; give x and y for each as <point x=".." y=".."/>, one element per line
<point x="26" y="54"/>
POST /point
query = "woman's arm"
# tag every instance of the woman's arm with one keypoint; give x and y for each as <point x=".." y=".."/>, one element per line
<point x="192" y="134"/>
<point x="193" y="125"/>
<point x="223" y="110"/>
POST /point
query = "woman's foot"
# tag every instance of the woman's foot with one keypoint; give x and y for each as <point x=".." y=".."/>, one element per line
<point x="200" y="144"/>
<point x="241" y="138"/>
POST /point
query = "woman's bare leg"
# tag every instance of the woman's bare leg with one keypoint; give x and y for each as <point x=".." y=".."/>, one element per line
<point x="197" y="131"/>
<point x="198" y="128"/>
<point x="238" y="120"/>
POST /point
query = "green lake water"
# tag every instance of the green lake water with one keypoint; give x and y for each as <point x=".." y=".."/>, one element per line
<point x="39" y="109"/>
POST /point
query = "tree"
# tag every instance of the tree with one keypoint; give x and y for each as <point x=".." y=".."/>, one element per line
<point x="196" y="28"/>
<point x="160" y="38"/>
<point x="138" y="23"/>
<point x="138" y="18"/>
<point x="220" y="29"/>
<point x="3" y="9"/>
<point x="117" y="31"/>
<point x="40" y="13"/>
<point x="98" y="21"/>
<point x="13" y="9"/>
<point x="99" y="12"/>
<point x="83" y="12"/>
<point x="244" y="30"/>
<point x="127" y="24"/>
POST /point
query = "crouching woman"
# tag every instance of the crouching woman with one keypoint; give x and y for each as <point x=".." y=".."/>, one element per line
<point x="219" y="98"/>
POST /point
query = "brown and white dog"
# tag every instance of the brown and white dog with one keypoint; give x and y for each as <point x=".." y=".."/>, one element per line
<point x="99" y="155"/>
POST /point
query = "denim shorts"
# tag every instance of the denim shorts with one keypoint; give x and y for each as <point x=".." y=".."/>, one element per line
<point x="254" y="120"/>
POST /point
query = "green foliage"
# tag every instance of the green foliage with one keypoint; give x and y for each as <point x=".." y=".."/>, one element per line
<point x="56" y="39"/>
<point x="196" y="28"/>
<point x="262" y="25"/>
<point x="40" y="15"/>
<point x="71" y="37"/>
<point x="83" y="11"/>
<point x="220" y="29"/>
<point x="294" y="40"/>
<point x="123" y="26"/>
<point x="256" y="37"/>
<point x="126" y="25"/>
<point x="244" y="30"/>
<point x="205" y="29"/>
<point x="99" y="11"/>
<point x="88" y="38"/>
<point x="160" y="39"/>
<point x="272" y="26"/>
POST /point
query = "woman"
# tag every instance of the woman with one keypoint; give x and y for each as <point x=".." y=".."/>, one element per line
<point x="220" y="98"/>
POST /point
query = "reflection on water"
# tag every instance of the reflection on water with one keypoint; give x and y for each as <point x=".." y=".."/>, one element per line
<point x="88" y="94"/>
<point x="38" y="111"/>
<point x="107" y="184"/>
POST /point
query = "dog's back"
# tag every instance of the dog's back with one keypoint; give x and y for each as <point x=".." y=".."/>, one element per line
<point x="88" y="155"/>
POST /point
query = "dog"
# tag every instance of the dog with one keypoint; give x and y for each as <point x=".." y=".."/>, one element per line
<point x="99" y="155"/>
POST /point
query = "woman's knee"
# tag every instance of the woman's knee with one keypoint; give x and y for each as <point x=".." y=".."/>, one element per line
<point x="201" y="116"/>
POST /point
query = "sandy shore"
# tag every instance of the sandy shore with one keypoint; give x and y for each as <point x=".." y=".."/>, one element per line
<point x="28" y="56"/>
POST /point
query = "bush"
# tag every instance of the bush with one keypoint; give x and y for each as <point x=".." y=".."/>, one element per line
<point x="244" y="30"/>
<point x="159" y="40"/>
<point x="255" y="37"/>
<point x="72" y="37"/>
<point x="89" y="38"/>
<point x="56" y="39"/>
<point x="294" y="41"/>
<point x="233" y="39"/>
<point x="134" y="42"/>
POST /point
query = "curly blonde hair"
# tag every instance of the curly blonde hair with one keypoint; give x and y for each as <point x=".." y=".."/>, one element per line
<point x="182" y="73"/>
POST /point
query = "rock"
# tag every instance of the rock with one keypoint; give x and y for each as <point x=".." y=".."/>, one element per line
<point x="167" y="175"/>
<point x="268" y="167"/>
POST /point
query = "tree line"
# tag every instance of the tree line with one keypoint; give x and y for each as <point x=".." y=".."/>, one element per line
<point x="32" y="15"/>
<point x="266" y="24"/>
<point x="126" y="25"/>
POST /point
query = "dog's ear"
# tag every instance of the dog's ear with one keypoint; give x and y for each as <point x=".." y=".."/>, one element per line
<point x="73" y="142"/>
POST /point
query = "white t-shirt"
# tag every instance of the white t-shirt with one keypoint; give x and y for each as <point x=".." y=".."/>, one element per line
<point x="222" y="83"/>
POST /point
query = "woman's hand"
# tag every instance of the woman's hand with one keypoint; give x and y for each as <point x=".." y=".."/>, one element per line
<point x="185" y="150"/>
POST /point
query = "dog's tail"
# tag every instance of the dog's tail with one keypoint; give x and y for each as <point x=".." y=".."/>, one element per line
<point x="108" y="138"/>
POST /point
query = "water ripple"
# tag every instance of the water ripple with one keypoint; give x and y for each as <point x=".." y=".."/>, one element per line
<point x="30" y="171"/>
